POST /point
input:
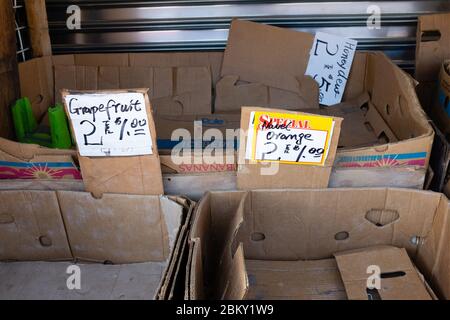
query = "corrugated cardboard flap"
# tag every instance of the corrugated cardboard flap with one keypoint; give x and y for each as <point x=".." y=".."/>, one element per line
<point x="398" y="279"/>
<point x="281" y="58"/>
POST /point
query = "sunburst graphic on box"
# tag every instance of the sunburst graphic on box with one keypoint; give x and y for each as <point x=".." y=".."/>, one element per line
<point x="41" y="172"/>
<point x="38" y="170"/>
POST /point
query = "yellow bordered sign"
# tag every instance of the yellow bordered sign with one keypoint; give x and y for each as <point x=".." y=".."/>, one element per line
<point x="289" y="138"/>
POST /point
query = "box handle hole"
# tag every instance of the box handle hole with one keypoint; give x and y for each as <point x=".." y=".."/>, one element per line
<point x="343" y="235"/>
<point x="258" y="236"/>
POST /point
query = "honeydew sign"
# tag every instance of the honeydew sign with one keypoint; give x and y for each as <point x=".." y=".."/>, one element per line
<point x="109" y="123"/>
<point x="289" y="138"/>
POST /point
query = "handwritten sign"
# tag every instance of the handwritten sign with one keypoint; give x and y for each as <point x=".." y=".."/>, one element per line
<point x="109" y="124"/>
<point x="329" y="64"/>
<point x="289" y="138"/>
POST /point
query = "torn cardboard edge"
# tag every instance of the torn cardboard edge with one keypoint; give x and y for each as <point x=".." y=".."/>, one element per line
<point x="129" y="175"/>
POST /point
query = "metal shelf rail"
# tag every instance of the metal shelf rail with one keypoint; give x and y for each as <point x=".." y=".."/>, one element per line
<point x="118" y="26"/>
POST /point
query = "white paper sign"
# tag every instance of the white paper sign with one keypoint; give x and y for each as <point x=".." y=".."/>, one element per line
<point x="330" y="61"/>
<point x="110" y="124"/>
<point x="289" y="138"/>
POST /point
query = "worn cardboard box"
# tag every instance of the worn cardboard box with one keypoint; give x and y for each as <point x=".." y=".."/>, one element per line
<point x="116" y="229"/>
<point x="272" y="244"/>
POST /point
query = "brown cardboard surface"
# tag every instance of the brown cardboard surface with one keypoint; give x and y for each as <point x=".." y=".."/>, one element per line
<point x="289" y="176"/>
<point x="353" y="268"/>
<point x="120" y="228"/>
<point x="131" y="175"/>
<point x="15" y="151"/>
<point x="231" y="95"/>
<point x="278" y="60"/>
<point x="299" y="280"/>
<point x="36" y="83"/>
<point x="211" y="60"/>
<point x="31" y="227"/>
<point x="433" y="45"/>
<point x="38" y="280"/>
<point x="434" y="257"/>
<point x="172" y="90"/>
<point x="292" y="227"/>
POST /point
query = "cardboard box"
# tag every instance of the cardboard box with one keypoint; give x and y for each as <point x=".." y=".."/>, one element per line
<point x="268" y="244"/>
<point x="116" y="229"/>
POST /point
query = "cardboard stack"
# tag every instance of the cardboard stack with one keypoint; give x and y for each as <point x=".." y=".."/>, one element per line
<point x="385" y="137"/>
<point x="270" y="239"/>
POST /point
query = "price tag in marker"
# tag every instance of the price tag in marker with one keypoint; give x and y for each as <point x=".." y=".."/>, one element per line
<point x="330" y="61"/>
<point x="289" y="138"/>
<point x="109" y="124"/>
